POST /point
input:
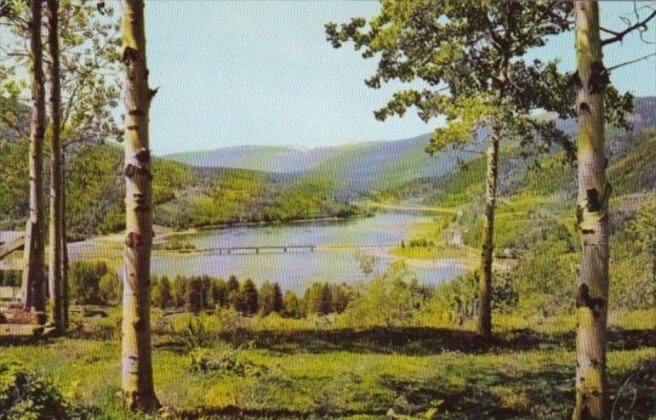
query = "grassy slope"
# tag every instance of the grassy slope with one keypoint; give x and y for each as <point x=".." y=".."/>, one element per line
<point x="414" y="371"/>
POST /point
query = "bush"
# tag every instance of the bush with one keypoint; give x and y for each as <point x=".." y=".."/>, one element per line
<point x="392" y="298"/>
<point x="179" y="291"/>
<point x="110" y="288"/>
<point x="270" y="299"/>
<point x="25" y="395"/>
<point x="317" y="300"/>
<point x="160" y="293"/>
<point x="11" y="278"/>
<point x="224" y="360"/>
<point x="292" y="305"/>
<point x="219" y="293"/>
<point x="247" y="299"/>
<point x="84" y="280"/>
<point x="194" y="295"/>
<point x="191" y="331"/>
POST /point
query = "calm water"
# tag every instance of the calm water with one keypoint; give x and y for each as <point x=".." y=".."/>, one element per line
<point x="296" y="270"/>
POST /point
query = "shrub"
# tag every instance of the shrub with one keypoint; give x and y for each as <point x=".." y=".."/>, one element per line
<point x="219" y="293"/>
<point x="224" y="360"/>
<point x="317" y="300"/>
<point x="392" y="298"/>
<point x="455" y="301"/>
<point x="292" y="305"/>
<point x="84" y="280"/>
<point x="110" y="288"/>
<point x="11" y="278"/>
<point x="194" y="295"/>
<point x="204" y="330"/>
<point x="270" y="299"/>
<point x="25" y="395"/>
<point x="247" y="299"/>
<point x="179" y="291"/>
<point x="161" y="294"/>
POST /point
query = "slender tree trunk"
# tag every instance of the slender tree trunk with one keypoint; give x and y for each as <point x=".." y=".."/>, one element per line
<point x="55" y="268"/>
<point x="34" y="260"/>
<point x="64" y="245"/>
<point x="593" y="195"/>
<point x="137" y="375"/>
<point x="485" y="281"/>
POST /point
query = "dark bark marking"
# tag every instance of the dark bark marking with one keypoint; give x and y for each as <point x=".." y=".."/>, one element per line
<point x="133" y="240"/>
<point x="599" y="78"/>
<point x="143" y="156"/>
<point x="593" y="199"/>
<point x="130" y="55"/>
<point x="584" y="108"/>
<point x="583" y="299"/>
<point x="139" y="325"/>
<point x="132" y="170"/>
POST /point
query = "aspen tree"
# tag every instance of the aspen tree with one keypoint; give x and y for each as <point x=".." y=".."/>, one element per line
<point x="33" y="287"/>
<point x="137" y="371"/>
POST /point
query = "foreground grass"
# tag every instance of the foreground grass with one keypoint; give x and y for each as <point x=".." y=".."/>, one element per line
<point x="303" y="371"/>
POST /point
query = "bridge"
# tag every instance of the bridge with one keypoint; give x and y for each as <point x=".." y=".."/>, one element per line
<point x="91" y="254"/>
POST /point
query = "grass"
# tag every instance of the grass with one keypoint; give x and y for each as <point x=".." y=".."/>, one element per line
<point x="421" y="370"/>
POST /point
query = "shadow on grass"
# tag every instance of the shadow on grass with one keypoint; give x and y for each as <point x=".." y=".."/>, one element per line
<point x="234" y="412"/>
<point x="419" y="340"/>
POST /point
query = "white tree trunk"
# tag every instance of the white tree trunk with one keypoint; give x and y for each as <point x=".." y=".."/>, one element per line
<point x="593" y="196"/>
<point x="137" y="371"/>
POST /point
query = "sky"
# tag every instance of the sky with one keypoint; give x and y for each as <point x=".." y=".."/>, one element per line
<point x="234" y="73"/>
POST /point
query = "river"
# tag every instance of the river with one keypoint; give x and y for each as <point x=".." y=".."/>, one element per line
<point x="297" y="269"/>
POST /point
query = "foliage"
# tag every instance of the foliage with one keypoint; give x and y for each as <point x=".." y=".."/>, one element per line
<point x="224" y="360"/>
<point x="391" y="298"/>
<point x="292" y="305"/>
<point x="110" y="288"/>
<point x="84" y="278"/>
<point x="270" y="299"/>
<point x="203" y="330"/>
<point x="160" y="293"/>
<point x="25" y="395"/>
<point x="12" y="278"/>
<point x="246" y="301"/>
<point x="194" y="295"/>
<point x="469" y="55"/>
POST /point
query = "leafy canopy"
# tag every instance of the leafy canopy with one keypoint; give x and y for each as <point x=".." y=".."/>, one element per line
<point x="466" y="61"/>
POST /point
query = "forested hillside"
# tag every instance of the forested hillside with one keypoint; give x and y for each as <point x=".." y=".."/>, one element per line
<point x="185" y="196"/>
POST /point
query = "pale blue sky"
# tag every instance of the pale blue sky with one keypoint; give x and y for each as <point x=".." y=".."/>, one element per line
<point x="255" y="72"/>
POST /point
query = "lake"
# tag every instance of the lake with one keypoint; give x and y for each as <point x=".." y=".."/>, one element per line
<point x="297" y="269"/>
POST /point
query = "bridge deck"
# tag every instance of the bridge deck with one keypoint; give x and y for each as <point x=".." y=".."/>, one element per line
<point x="236" y="250"/>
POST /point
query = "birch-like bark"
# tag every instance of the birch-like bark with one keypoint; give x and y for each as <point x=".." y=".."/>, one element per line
<point x="33" y="286"/>
<point x="137" y="372"/>
<point x="55" y="268"/>
<point x="593" y="195"/>
<point x="485" y="281"/>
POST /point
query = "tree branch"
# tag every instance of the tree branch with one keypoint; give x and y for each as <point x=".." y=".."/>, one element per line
<point x="620" y="35"/>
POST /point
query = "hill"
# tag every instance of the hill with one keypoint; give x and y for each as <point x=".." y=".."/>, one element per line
<point x="277" y="159"/>
<point x="184" y="196"/>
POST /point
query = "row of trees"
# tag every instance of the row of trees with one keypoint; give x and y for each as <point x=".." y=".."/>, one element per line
<point x="89" y="47"/>
<point x="199" y="293"/>
<point x="471" y="56"/>
<point x="72" y="50"/>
